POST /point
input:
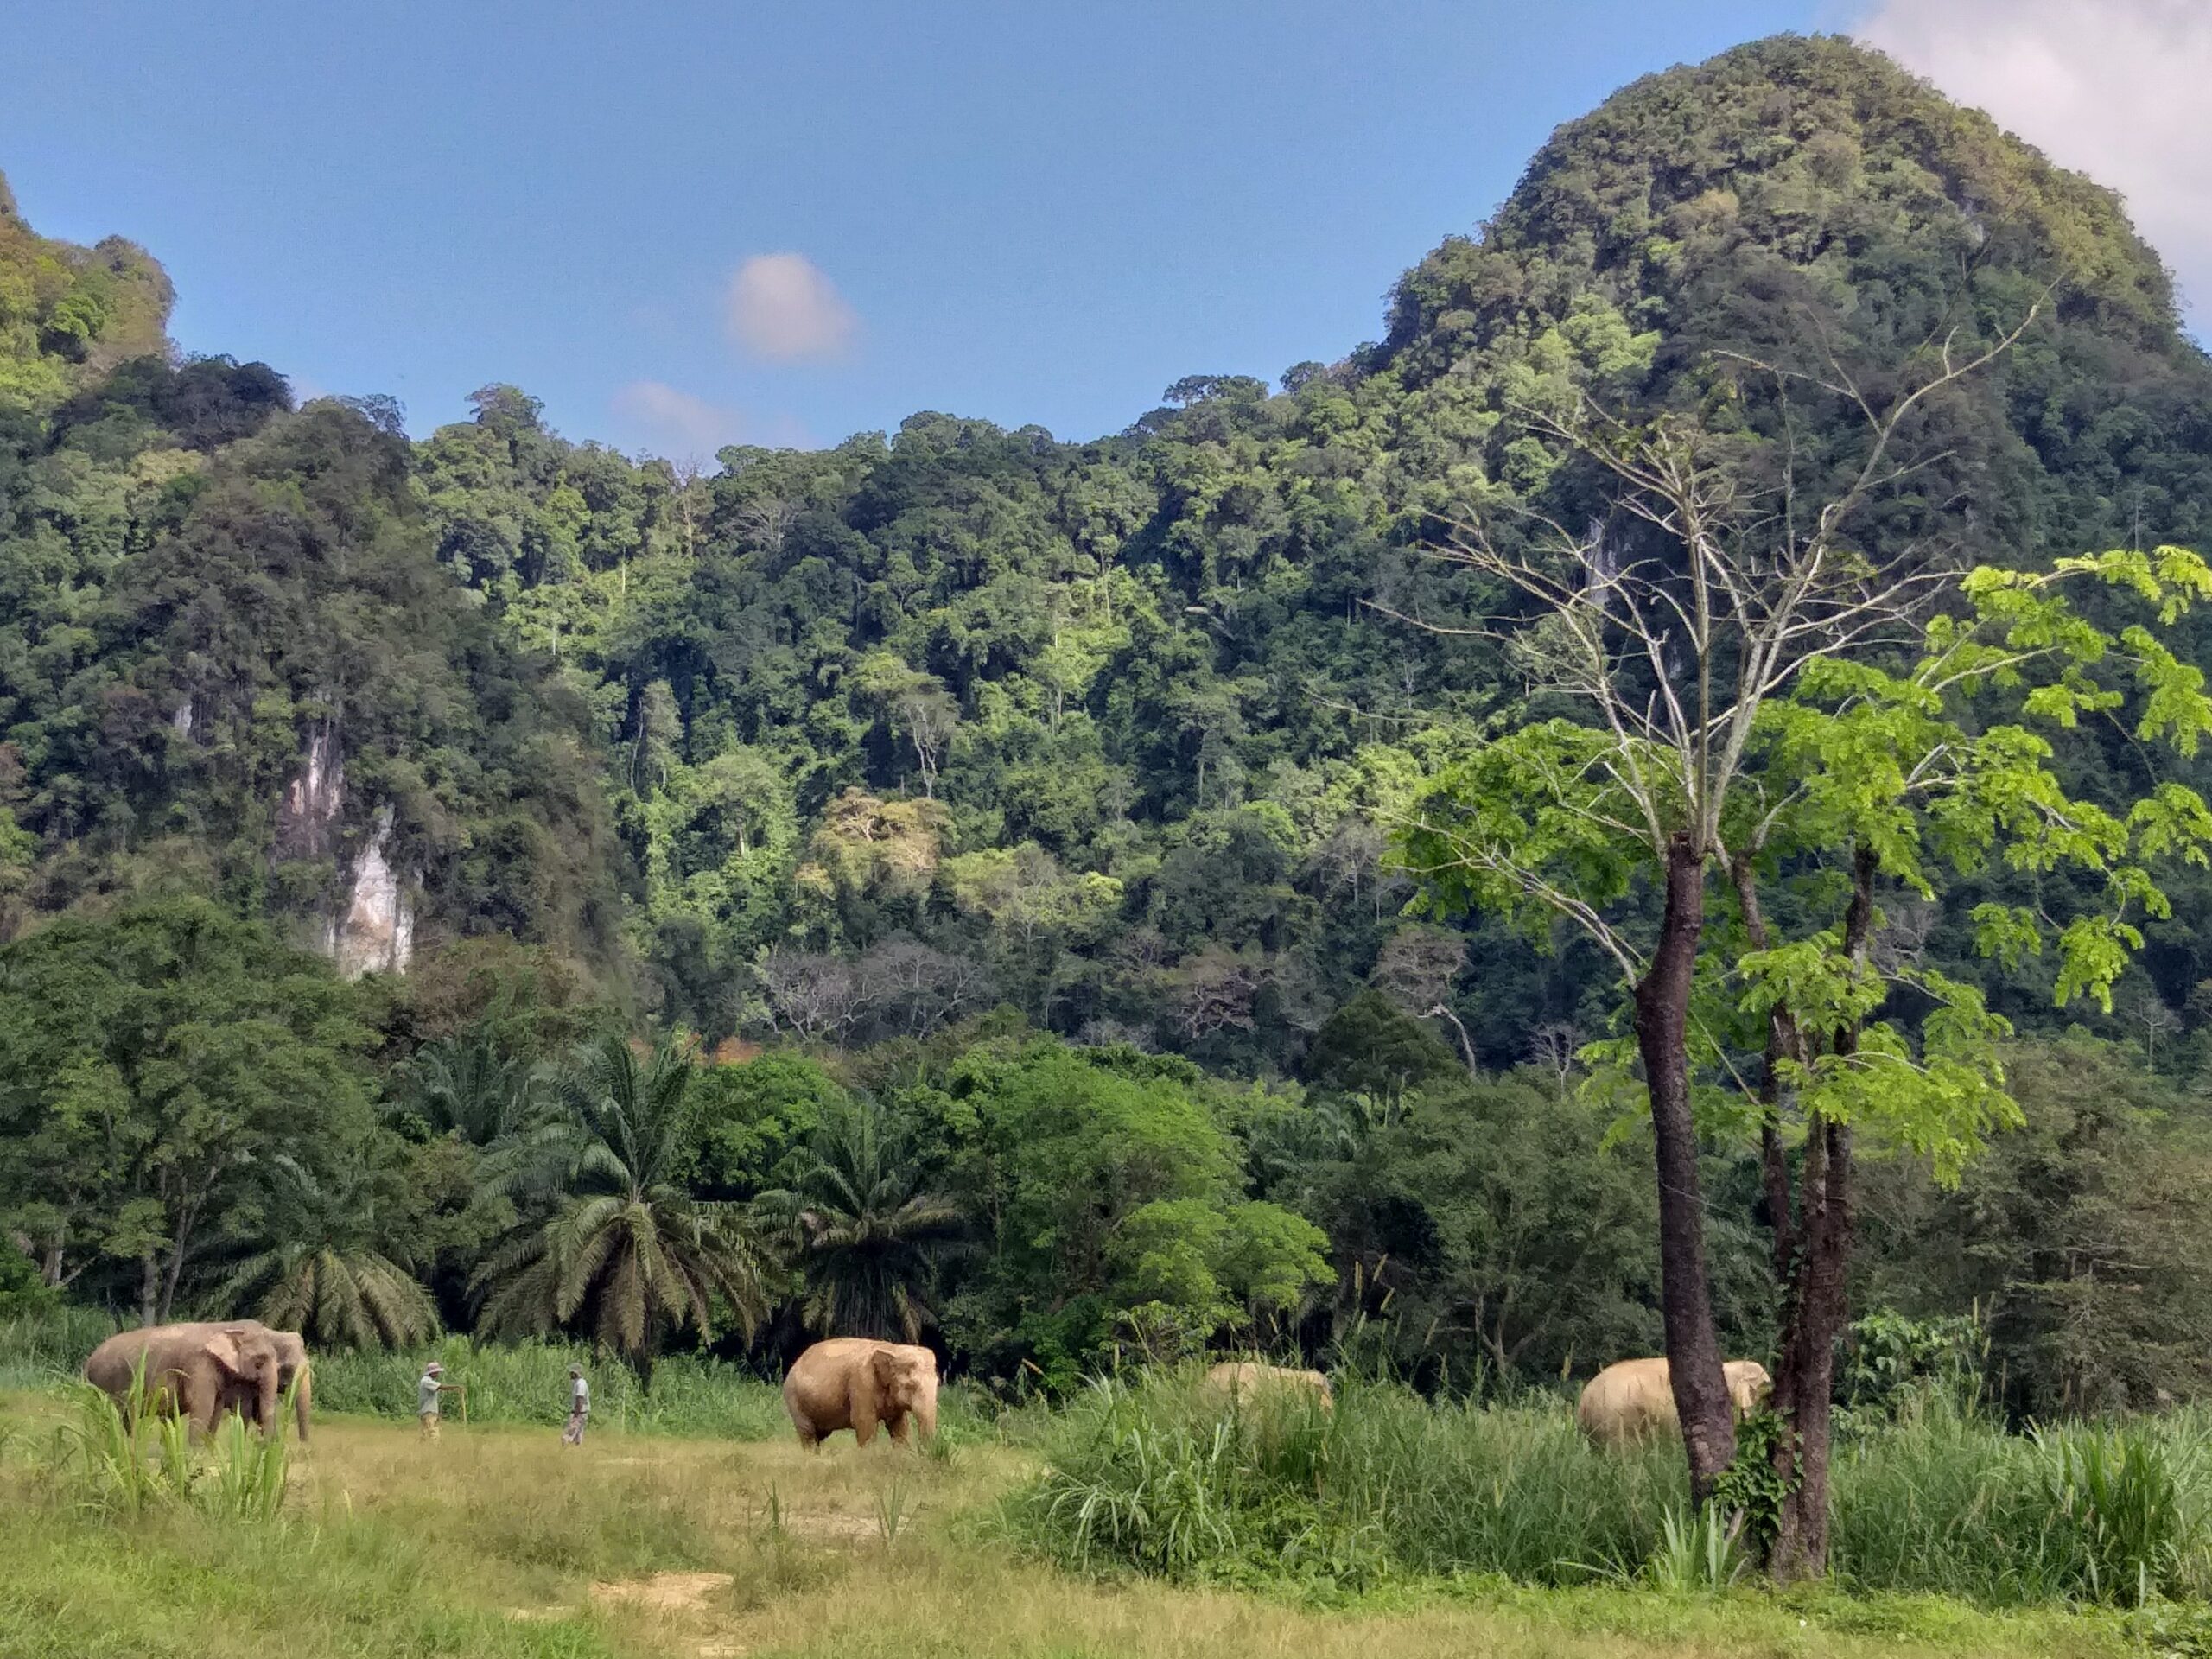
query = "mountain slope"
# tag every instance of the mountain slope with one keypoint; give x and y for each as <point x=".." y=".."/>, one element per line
<point x="229" y="661"/>
<point x="892" y="732"/>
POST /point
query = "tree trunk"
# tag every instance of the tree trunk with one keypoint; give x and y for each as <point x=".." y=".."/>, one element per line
<point x="1662" y="1001"/>
<point x="1815" y="1306"/>
<point x="1804" y="1383"/>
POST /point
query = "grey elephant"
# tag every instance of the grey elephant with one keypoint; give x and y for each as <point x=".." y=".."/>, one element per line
<point x="858" y="1383"/>
<point x="192" y="1370"/>
<point x="293" y="1372"/>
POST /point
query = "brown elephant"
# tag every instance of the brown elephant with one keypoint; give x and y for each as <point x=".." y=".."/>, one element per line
<point x="857" y="1382"/>
<point x="1245" y="1378"/>
<point x="1634" y="1400"/>
<point x="293" y="1372"/>
<point x="192" y="1370"/>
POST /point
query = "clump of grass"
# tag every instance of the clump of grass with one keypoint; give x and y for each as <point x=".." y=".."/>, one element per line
<point x="1945" y="1501"/>
<point x="1164" y="1476"/>
<point x="245" y="1472"/>
<point x="891" y="1511"/>
<point x="119" y="1457"/>
<point x="2120" y="1525"/>
<point x="1698" y="1553"/>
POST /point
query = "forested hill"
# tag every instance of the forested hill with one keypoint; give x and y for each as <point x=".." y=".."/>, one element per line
<point x="846" y="744"/>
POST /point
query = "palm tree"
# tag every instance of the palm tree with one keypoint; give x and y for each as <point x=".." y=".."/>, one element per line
<point x="626" y="1252"/>
<point x="470" y="1087"/>
<point x="329" y="1277"/>
<point x="866" y="1240"/>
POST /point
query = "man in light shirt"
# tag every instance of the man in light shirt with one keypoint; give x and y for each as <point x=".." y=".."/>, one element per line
<point x="426" y="1398"/>
<point x="579" y="1406"/>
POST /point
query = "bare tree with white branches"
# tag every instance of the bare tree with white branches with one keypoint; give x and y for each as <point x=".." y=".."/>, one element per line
<point x="1673" y="653"/>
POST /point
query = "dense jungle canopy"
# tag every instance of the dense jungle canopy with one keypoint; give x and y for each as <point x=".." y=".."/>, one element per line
<point x="1030" y="802"/>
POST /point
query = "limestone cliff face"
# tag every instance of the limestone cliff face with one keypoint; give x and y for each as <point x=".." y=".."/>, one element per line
<point x="376" y="934"/>
<point x="372" y="927"/>
<point x="306" y="824"/>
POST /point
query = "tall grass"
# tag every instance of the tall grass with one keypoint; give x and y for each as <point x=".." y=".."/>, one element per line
<point x="528" y="1382"/>
<point x="1160" y="1476"/>
<point x="37" y="1347"/>
<point x="1944" y="1500"/>
<point x="118" y="1458"/>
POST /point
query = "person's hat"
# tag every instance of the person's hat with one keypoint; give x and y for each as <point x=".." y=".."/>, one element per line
<point x="575" y="1371"/>
<point x="433" y="1369"/>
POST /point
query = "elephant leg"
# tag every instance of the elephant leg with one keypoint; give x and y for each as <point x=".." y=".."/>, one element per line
<point x="901" y="1427"/>
<point x="864" y="1427"/>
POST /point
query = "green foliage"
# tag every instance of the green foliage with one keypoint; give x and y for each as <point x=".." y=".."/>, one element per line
<point x="626" y="1250"/>
<point x="2075" y="1241"/>
<point x="1893" y="1364"/>
<point x="1370" y="1047"/>
<point x="1479" y="1226"/>
<point x="1747" y="1500"/>
<point x="865" y="1236"/>
<point x="166" y="1062"/>
<point x="1112" y="1189"/>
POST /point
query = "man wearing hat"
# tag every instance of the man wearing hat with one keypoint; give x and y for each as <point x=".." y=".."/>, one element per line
<point x="579" y="1406"/>
<point x="426" y="1398"/>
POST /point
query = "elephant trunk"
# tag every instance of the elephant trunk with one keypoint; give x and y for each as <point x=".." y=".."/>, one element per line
<point x="302" y="1386"/>
<point x="265" y="1397"/>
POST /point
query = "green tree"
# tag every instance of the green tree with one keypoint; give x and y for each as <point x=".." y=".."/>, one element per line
<point x="156" y="1058"/>
<point x="1855" y="781"/>
<point x="627" y="1253"/>
<point x="1108" y="1186"/>
<point x="327" y="1270"/>
<point x="2079" y="1238"/>
<point x="865" y="1236"/>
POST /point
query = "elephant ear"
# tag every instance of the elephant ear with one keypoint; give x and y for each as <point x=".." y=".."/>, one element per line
<point x="222" y="1346"/>
<point x="885" y="1365"/>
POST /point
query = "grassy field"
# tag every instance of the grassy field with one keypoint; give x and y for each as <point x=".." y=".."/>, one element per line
<point x="498" y="1541"/>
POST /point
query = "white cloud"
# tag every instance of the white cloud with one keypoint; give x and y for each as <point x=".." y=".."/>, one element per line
<point x="678" y="423"/>
<point x="2113" y="88"/>
<point x="782" y="307"/>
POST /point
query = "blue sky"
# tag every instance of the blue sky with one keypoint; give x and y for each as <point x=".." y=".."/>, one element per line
<point x="1040" y="212"/>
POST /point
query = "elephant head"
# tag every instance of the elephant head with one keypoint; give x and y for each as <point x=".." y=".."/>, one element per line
<point x="246" y="1365"/>
<point x="1749" y="1385"/>
<point x="293" y="1373"/>
<point x="906" y="1383"/>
